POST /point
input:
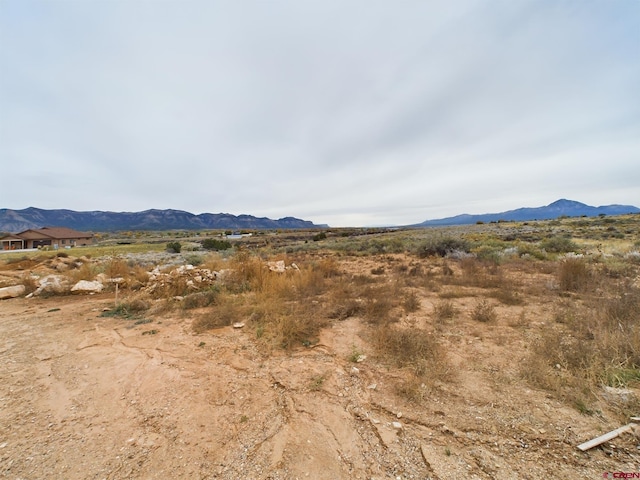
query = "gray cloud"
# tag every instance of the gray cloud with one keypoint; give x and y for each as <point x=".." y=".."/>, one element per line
<point x="349" y="113"/>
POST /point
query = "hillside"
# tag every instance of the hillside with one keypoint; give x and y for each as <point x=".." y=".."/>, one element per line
<point x="19" y="220"/>
<point x="559" y="208"/>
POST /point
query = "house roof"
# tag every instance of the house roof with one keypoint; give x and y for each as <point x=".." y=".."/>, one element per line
<point x="52" y="232"/>
<point x="10" y="238"/>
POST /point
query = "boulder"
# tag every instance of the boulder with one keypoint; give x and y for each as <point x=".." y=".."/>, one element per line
<point x="11" y="292"/>
<point x="52" y="284"/>
<point x="85" y="286"/>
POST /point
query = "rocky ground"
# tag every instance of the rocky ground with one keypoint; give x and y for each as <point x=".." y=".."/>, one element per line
<point x="84" y="396"/>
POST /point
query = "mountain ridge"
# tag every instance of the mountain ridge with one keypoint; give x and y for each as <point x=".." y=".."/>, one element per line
<point x="15" y="221"/>
<point x="559" y="208"/>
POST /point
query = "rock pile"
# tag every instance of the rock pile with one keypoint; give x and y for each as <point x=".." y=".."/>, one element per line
<point x="194" y="278"/>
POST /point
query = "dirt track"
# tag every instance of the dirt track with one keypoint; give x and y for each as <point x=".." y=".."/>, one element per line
<point x="87" y="397"/>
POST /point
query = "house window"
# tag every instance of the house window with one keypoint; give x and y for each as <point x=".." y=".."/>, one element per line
<point x="63" y="242"/>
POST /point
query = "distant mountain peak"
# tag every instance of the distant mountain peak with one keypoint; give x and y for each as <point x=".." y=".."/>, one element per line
<point x="564" y="203"/>
<point x="559" y="208"/>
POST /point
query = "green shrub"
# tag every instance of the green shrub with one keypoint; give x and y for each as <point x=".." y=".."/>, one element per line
<point x="319" y="236"/>
<point x="174" y="247"/>
<point x="215" y="244"/>
<point x="558" y="245"/>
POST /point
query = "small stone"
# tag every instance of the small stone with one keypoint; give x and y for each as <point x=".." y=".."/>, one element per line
<point x="355" y="371"/>
<point x="399" y="414"/>
<point x="361" y="358"/>
<point x="373" y="386"/>
<point x="396" y="425"/>
<point x="238" y="325"/>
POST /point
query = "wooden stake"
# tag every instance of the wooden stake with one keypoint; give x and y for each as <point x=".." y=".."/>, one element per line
<point x="605" y="438"/>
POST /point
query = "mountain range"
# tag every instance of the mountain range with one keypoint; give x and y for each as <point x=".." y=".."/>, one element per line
<point x="98" y="221"/>
<point x="19" y="220"/>
<point x="559" y="208"/>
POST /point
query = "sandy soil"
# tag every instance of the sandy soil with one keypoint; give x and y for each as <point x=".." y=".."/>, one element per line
<point x="87" y="397"/>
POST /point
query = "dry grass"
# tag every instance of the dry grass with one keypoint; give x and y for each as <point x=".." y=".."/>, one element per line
<point x="416" y="351"/>
<point x="411" y="302"/>
<point x="225" y="314"/>
<point x="444" y="310"/>
<point x="200" y="299"/>
<point x="590" y="346"/>
<point x="573" y="274"/>
<point x="484" y="312"/>
<point x="87" y="271"/>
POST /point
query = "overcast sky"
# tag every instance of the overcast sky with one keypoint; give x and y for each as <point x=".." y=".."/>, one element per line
<point x="351" y="113"/>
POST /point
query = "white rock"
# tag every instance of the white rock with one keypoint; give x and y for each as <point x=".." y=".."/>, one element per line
<point x="238" y="325"/>
<point x="52" y="284"/>
<point x="396" y="425"/>
<point x="11" y="292"/>
<point x="277" y="266"/>
<point x="85" y="286"/>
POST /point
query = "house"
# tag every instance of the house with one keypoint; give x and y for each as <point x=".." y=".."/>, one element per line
<point x="51" y="237"/>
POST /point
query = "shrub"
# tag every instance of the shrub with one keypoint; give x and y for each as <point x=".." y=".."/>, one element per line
<point x="215" y="244"/>
<point x="319" y="236"/>
<point x="484" y="312"/>
<point x="127" y="308"/>
<point x="194" y="259"/>
<point x="444" y="310"/>
<point x="200" y="299"/>
<point x="558" y="245"/>
<point x="441" y="247"/>
<point x="174" y="247"/>
<point x="224" y="315"/>
<point x="413" y="348"/>
<point x="573" y="274"/>
<point x="411" y="302"/>
<point x="116" y="267"/>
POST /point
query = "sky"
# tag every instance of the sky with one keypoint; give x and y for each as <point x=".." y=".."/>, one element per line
<point x="347" y="113"/>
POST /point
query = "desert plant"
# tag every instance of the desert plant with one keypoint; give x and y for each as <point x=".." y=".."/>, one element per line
<point x="30" y="283"/>
<point x="194" y="259"/>
<point x="415" y="349"/>
<point x="215" y="244"/>
<point x="225" y="314"/>
<point x="319" y="236"/>
<point x="442" y="247"/>
<point x="558" y="244"/>
<point x="484" y="312"/>
<point x="573" y="274"/>
<point x="127" y="308"/>
<point x="411" y="302"/>
<point x="378" y="303"/>
<point x="444" y="310"/>
<point x="174" y="247"/>
<point x="200" y="299"/>
<point x="316" y="382"/>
